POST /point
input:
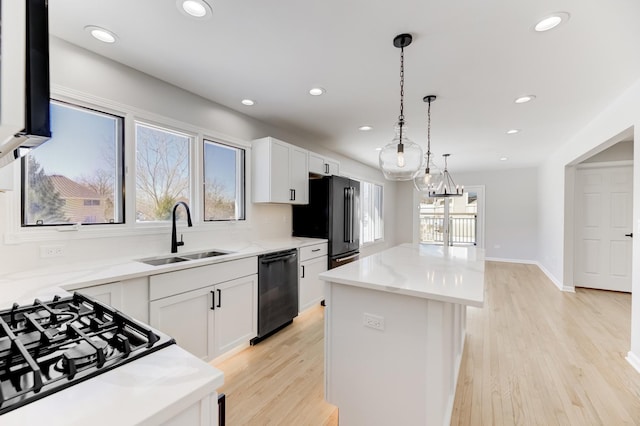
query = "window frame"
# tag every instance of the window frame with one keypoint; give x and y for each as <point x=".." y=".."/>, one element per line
<point x="120" y="178"/>
<point x="241" y="181"/>
<point x="191" y="167"/>
<point x="16" y="234"/>
<point x="379" y="222"/>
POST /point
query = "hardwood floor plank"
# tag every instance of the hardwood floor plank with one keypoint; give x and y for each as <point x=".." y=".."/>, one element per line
<point x="533" y="356"/>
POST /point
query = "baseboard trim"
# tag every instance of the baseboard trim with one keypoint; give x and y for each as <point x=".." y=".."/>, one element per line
<point x="561" y="287"/>
<point x="634" y="360"/>
<point x="502" y="259"/>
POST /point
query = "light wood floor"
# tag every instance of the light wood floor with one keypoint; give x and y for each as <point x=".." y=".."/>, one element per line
<point x="533" y="356"/>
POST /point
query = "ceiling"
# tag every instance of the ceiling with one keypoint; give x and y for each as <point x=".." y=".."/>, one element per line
<point x="477" y="57"/>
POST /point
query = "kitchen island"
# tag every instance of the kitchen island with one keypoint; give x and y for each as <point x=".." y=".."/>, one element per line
<point x="394" y="333"/>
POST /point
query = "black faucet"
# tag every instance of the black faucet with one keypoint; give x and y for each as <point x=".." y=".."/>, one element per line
<point x="174" y="239"/>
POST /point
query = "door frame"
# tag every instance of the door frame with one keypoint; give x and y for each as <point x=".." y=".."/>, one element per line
<point x="478" y="189"/>
<point x="595" y="165"/>
<point x="568" y="279"/>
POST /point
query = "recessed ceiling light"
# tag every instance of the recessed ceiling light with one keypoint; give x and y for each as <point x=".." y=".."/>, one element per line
<point x="195" y="8"/>
<point x="504" y="158"/>
<point x="248" y="102"/>
<point x="378" y="149"/>
<point x="551" y="21"/>
<point x="524" y="99"/>
<point x="512" y="131"/>
<point x="365" y="128"/>
<point x="101" y="34"/>
<point x="316" y="91"/>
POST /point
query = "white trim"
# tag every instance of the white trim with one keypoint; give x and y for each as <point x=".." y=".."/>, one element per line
<point x="634" y="360"/>
<point x="603" y="164"/>
<point x="561" y="287"/>
<point x="16" y="234"/>
<point x="505" y="260"/>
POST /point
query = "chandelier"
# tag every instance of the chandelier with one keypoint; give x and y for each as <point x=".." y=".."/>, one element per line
<point x="446" y="187"/>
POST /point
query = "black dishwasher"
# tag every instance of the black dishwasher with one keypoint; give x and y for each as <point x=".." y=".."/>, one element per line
<point x="277" y="291"/>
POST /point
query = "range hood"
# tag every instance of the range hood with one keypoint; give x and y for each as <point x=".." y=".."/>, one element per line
<point x="24" y="77"/>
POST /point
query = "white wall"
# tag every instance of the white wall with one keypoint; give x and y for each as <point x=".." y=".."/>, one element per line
<point x="555" y="208"/>
<point x="511" y="216"/>
<point x="75" y="70"/>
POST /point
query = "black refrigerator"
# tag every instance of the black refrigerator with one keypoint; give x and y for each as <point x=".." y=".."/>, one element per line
<point x="333" y="213"/>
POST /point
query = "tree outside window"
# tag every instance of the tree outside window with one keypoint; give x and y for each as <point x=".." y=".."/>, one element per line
<point x="162" y="172"/>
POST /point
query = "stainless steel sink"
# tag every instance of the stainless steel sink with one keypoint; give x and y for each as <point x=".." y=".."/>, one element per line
<point x="166" y="260"/>
<point x="163" y="260"/>
<point x="204" y="254"/>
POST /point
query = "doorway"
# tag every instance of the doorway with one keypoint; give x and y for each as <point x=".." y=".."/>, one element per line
<point x="455" y="221"/>
<point x="603" y="224"/>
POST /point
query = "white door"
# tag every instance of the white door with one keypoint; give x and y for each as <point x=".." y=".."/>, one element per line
<point x="603" y="222"/>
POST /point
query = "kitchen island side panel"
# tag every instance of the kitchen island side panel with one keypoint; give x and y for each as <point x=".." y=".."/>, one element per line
<point x="404" y="374"/>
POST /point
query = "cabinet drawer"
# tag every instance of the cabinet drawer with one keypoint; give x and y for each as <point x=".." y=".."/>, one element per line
<point x="171" y="283"/>
<point x="316" y="250"/>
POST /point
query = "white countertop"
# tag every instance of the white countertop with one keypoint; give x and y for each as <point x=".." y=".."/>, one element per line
<point x="148" y="390"/>
<point x="23" y="286"/>
<point x="448" y="274"/>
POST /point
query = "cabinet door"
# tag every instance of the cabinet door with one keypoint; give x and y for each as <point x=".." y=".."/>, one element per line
<point x="188" y="318"/>
<point x="316" y="164"/>
<point x="279" y="173"/>
<point x="235" y="313"/>
<point x="311" y="289"/>
<point x="111" y="294"/>
<point x="333" y="167"/>
<point x="299" y="175"/>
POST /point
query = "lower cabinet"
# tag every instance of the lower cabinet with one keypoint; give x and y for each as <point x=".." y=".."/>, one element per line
<point x="313" y="261"/>
<point x="212" y="320"/>
<point x="129" y="296"/>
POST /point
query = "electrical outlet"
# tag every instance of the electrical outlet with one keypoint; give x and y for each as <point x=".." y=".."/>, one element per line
<point x="373" y="321"/>
<point x="52" y="251"/>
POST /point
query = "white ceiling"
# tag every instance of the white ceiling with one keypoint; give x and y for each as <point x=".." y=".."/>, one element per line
<point x="476" y="56"/>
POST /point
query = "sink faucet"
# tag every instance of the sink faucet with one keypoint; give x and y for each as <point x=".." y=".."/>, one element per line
<point x="174" y="239"/>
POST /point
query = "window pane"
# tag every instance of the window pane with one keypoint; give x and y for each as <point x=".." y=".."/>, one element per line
<point x="223" y="182"/>
<point x="77" y="175"/>
<point x="371" y="223"/>
<point x="162" y="172"/>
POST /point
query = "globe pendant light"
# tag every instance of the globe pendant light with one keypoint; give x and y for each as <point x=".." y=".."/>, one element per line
<point x="401" y="159"/>
<point x="426" y="176"/>
<point x="445" y="187"/>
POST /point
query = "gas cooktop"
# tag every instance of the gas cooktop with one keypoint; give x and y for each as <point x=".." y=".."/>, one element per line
<point x="48" y="346"/>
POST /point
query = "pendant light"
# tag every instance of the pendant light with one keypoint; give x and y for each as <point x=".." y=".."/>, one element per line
<point x="401" y="159"/>
<point x="446" y="187"/>
<point x="427" y="176"/>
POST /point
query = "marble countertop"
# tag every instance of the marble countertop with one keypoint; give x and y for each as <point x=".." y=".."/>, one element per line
<point x="23" y="286"/>
<point x="448" y="274"/>
<point x="149" y="390"/>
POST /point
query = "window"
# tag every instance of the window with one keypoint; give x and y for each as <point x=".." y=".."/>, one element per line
<point x="371" y="223"/>
<point x="82" y="161"/>
<point x="223" y="182"/>
<point x="162" y="172"/>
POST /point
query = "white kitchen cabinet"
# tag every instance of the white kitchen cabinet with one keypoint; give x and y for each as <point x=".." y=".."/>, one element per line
<point x="280" y="172"/>
<point x="210" y="309"/>
<point x="188" y="318"/>
<point x="212" y="320"/>
<point x="313" y="261"/>
<point x="110" y="294"/>
<point x="236" y="314"/>
<point x="129" y="296"/>
<point x="321" y="165"/>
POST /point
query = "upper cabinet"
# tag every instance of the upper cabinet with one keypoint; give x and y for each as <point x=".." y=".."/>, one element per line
<point x="322" y="165"/>
<point x="280" y="172"/>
